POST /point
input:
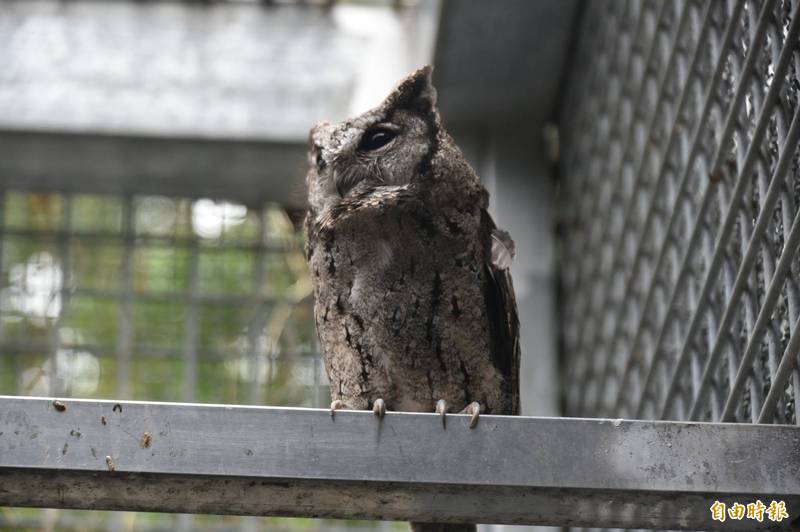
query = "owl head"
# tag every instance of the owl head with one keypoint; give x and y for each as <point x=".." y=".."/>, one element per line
<point x="387" y="146"/>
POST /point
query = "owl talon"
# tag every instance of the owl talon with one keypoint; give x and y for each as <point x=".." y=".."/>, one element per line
<point x="379" y="408"/>
<point x="474" y="408"/>
<point x="441" y="409"/>
<point x="336" y="405"/>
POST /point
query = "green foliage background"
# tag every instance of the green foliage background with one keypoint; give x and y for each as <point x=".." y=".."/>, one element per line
<point x="66" y="293"/>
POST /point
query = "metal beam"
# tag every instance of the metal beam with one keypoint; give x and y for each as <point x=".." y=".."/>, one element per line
<point x="302" y="462"/>
<point x="251" y="172"/>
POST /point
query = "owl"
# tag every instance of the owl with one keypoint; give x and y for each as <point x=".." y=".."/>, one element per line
<point x="413" y="300"/>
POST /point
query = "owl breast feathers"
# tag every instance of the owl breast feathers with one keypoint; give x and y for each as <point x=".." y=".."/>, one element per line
<point x="413" y="296"/>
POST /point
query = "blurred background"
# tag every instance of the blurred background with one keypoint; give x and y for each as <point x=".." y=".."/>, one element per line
<point x="152" y="157"/>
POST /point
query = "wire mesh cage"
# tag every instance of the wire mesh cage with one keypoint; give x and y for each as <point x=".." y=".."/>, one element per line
<point x="679" y="199"/>
<point x="158" y="295"/>
<point x="153" y="298"/>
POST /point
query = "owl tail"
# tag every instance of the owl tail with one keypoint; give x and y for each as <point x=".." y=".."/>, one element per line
<point x="441" y="527"/>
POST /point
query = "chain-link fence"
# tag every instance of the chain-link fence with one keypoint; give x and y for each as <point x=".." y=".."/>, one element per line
<point x="680" y="194"/>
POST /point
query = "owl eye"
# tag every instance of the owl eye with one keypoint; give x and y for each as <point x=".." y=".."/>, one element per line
<point x="375" y="138"/>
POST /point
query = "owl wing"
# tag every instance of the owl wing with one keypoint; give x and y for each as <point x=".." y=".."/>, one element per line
<point x="502" y="308"/>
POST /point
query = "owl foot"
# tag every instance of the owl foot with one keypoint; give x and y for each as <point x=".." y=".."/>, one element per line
<point x="474" y="408"/>
<point x="337" y="405"/>
<point x="441" y="409"/>
<point x="379" y="408"/>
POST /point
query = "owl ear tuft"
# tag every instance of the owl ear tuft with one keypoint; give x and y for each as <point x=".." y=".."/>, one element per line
<point x="416" y="92"/>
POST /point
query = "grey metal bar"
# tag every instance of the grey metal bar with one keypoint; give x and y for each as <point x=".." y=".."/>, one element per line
<point x="781" y="375"/>
<point x="254" y="331"/>
<point x="63" y="292"/>
<point x="3" y="273"/>
<point x="153" y="165"/>
<point x="256" y="326"/>
<point x="302" y="462"/>
<point x="144" y="350"/>
<point x="124" y="347"/>
<point x="177" y="297"/>
<point x="191" y="331"/>
<point x="170" y="241"/>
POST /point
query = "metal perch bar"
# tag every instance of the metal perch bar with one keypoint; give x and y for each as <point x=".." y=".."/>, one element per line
<point x="192" y="458"/>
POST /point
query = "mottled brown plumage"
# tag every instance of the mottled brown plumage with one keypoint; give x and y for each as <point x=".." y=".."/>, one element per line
<point x="413" y="298"/>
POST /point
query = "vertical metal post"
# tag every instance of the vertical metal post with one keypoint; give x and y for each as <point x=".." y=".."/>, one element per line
<point x="124" y="344"/>
<point x="64" y="291"/>
<point x="15" y="356"/>
<point x="190" y="345"/>
<point x="256" y="327"/>
<point x="190" y="340"/>
<point x="125" y="312"/>
<point x="254" y="333"/>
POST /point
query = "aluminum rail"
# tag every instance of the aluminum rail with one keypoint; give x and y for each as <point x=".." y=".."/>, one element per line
<point x="192" y="458"/>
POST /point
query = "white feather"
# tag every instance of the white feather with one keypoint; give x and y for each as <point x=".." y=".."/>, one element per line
<point x="502" y="249"/>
